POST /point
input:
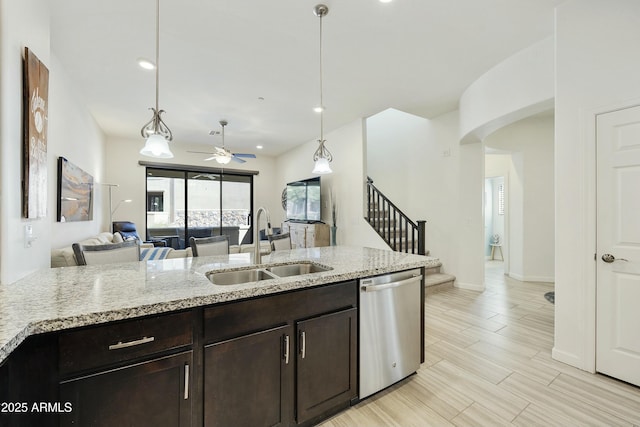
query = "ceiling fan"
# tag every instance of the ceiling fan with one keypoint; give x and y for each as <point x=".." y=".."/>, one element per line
<point x="221" y="154"/>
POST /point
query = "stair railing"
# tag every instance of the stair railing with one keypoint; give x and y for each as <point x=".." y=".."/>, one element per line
<point x="396" y="228"/>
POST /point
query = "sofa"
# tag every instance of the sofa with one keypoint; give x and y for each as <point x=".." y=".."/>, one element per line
<point x="176" y="239"/>
<point x="64" y="257"/>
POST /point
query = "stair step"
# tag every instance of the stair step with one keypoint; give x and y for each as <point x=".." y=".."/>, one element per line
<point x="432" y="270"/>
<point x="393" y="233"/>
<point x="438" y="282"/>
<point x="376" y="221"/>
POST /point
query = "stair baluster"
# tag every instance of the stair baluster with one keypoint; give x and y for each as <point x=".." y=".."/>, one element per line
<point x="392" y="224"/>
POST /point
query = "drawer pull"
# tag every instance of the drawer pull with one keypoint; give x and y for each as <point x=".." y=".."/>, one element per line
<point x="131" y="343"/>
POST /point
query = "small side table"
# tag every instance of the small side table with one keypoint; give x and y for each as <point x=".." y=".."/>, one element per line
<point x="493" y="250"/>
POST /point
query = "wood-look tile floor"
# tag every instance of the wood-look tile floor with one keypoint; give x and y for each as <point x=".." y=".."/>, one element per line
<point x="488" y="363"/>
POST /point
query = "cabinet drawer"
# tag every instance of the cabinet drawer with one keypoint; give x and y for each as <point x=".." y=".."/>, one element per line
<point x="94" y="347"/>
<point x="225" y="321"/>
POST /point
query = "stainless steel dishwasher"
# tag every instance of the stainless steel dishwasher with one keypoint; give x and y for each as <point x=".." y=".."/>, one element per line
<point x="389" y="315"/>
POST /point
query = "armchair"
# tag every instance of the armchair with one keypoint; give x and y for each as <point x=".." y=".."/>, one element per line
<point x="128" y="231"/>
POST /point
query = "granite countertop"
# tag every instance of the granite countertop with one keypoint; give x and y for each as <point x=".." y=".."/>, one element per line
<point x="62" y="298"/>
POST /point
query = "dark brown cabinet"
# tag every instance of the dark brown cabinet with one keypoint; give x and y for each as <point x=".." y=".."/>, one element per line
<point x="147" y="394"/>
<point x="287" y="359"/>
<point x="135" y="372"/>
<point x="28" y="379"/>
<point x="247" y="380"/>
<point x="326" y="363"/>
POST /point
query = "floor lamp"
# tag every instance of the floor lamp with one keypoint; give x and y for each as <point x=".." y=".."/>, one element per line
<point x="111" y="208"/>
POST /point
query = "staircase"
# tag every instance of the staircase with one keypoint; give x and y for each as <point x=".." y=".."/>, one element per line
<point x="402" y="234"/>
<point x="396" y="228"/>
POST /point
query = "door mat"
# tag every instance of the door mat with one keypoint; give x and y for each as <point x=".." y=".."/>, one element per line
<point x="551" y="297"/>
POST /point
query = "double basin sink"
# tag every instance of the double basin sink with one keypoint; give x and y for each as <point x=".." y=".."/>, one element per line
<point x="253" y="274"/>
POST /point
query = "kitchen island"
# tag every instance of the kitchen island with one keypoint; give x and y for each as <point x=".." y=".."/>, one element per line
<point x="51" y="302"/>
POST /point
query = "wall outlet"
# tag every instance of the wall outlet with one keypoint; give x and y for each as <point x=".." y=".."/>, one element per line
<point x="446" y="153"/>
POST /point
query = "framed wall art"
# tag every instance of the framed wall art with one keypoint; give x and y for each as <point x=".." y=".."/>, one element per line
<point x="34" y="149"/>
<point x="75" y="193"/>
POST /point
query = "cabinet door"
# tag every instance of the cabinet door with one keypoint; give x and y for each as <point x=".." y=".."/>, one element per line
<point x="326" y="363"/>
<point x="298" y="237"/>
<point x="153" y="393"/>
<point x="248" y="380"/>
<point x="310" y="236"/>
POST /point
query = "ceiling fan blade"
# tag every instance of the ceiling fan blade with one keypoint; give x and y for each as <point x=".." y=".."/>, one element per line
<point x="237" y="159"/>
<point x="200" y="152"/>
<point x="248" y="156"/>
<point x="210" y="158"/>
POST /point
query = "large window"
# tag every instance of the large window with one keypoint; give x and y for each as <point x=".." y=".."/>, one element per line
<point x="183" y="203"/>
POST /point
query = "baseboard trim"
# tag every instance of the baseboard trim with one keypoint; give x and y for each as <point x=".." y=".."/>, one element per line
<point x="569" y="359"/>
<point x="469" y="286"/>
<point x="531" y="278"/>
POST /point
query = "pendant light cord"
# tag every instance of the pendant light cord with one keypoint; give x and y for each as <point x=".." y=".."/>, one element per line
<point x="157" y="53"/>
<point x="321" y="99"/>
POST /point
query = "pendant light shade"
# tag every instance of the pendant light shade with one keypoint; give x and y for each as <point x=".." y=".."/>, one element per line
<point x="156" y="132"/>
<point x="322" y="157"/>
<point x="322" y="167"/>
<point x="156" y="146"/>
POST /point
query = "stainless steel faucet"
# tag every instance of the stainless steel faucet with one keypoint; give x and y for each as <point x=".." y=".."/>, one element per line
<point x="257" y="257"/>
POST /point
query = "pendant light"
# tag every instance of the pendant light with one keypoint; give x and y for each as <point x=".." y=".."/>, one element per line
<point x="156" y="132"/>
<point x="322" y="156"/>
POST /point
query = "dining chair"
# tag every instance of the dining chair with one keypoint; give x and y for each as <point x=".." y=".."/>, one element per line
<point x="106" y="254"/>
<point x="280" y="242"/>
<point x="204" y="246"/>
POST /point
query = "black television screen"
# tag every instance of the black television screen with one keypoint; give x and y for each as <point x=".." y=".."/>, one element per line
<point x="303" y="200"/>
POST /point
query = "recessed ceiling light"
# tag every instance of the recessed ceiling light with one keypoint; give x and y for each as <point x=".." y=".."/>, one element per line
<point x="259" y="147"/>
<point x="146" y="64"/>
<point x="318" y="109"/>
<point x="386" y="1"/>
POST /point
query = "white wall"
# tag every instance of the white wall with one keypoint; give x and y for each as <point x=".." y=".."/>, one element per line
<point x="122" y="168"/>
<point x="516" y="88"/>
<point x="74" y="135"/>
<point x="396" y="146"/>
<point x="421" y="166"/>
<point x="597" y="69"/>
<point x="530" y="196"/>
<point x="465" y="219"/>
<point x="347" y="182"/>
<point x="22" y="24"/>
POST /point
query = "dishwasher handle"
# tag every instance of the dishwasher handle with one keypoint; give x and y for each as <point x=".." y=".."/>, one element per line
<point x="383" y="286"/>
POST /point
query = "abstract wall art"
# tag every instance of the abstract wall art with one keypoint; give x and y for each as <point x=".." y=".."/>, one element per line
<point x="75" y="192"/>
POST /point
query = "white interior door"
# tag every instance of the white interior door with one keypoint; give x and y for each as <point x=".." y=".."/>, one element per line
<point x="618" y="244"/>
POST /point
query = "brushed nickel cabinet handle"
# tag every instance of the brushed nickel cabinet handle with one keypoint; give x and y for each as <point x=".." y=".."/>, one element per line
<point x="186" y="381"/>
<point x="303" y="344"/>
<point x="286" y="349"/>
<point x="133" y="343"/>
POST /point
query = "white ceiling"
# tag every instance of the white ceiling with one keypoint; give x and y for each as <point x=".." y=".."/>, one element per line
<point x="218" y="57"/>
